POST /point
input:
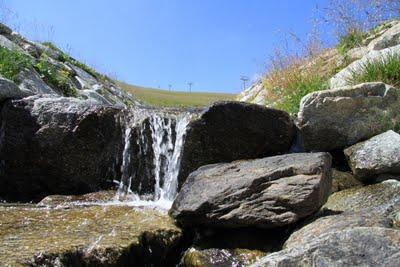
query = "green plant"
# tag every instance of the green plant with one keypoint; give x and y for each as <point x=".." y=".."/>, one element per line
<point x="58" y="78"/>
<point x="385" y="69"/>
<point x="290" y="101"/>
<point x="349" y="41"/>
<point x="12" y="62"/>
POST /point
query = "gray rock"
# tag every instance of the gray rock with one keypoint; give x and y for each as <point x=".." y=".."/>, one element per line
<point x="343" y="180"/>
<point x="5" y="42"/>
<point x="378" y="155"/>
<point x="8" y="89"/>
<point x="66" y="146"/>
<point x="343" y="77"/>
<point x="358" y="246"/>
<point x="391" y="37"/>
<point x="382" y="197"/>
<point x="94" y="96"/>
<point x="86" y="80"/>
<point x="264" y="193"/>
<point x="4" y="30"/>
<point x="30" y="80"/>
<point x="338" y="118"/>
<point x="229" y="131"/>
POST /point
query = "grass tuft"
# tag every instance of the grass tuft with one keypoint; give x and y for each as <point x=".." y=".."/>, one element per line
<point x="385" y="69"/>
<point x="12" y="62"/>
<point x="349" y="41"/>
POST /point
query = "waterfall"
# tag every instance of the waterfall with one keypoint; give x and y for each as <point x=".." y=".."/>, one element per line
<point x="153" y="141"/>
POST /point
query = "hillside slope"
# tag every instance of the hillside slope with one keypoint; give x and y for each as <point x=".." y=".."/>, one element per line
<point x="158" y="97"/>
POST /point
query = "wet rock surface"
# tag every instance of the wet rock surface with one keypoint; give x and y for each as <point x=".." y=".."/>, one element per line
<point x="378" y="155"/>
<point x="338" y="118"/>
<point x="87" y="236"/>
<point x="57" y="145"/>
<point x="230" y="131"/>
<point x="264" y="193"/>
<point x="220" y="257"/>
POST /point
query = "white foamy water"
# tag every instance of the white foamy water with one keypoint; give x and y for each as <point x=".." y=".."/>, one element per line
<point x="167" y="138"/>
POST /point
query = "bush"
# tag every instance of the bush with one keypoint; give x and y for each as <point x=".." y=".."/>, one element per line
<point x="12" y="62"/>
<point x="386" y="69"/>
<point x="57" y="78"/>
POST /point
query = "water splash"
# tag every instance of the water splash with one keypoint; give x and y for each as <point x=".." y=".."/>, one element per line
<point x="167" y="133"/>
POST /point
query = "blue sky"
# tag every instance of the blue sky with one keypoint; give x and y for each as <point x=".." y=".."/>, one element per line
<point x="157" y="43"/>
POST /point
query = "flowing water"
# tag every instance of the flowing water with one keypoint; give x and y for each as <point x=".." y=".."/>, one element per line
<point x="163" y="132"/>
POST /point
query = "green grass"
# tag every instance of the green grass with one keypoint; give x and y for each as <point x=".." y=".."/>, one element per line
<point x="290" y="102"/>
<point x="385" y="69"/>
<point x="164" y="98"/>
<point x="12" y="62"/>
<point x="349" y="41"/>
<point x="57" y="78"/>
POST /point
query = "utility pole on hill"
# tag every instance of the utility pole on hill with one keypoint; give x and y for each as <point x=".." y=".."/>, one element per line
<point x="190" y="86"/>
<point x="244" y="79"/>
<point x="169" y="87"/>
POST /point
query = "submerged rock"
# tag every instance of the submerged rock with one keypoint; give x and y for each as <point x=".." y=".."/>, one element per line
<point x="338" y="118"/>
<point x="214" y="257"/>
<point x="87" y="236"/>
<point x="378" y="155"/>
<point x="57" y="145"/>
<point x="230" y="131"/>
<point x="265" y="193"/>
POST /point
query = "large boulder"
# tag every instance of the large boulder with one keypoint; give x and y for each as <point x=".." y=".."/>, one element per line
<point x="229" y="131"/>
<point x="30" y="81"/>
<point x="213" y="257"/>
<point x="382" y="197"/>
<point x="89" y="235"/>
<point x="57" y="145"/>
<point x="338" y="118"/>
<point x="264" y="193"/>
<point x="378" y="155"/>
<point x="358" y="246"/>
<point x="8" y="89"/>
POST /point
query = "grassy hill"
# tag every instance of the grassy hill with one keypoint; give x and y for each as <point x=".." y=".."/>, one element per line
<point x="158" y="97"/>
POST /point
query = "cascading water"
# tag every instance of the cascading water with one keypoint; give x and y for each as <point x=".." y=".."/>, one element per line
<point x="164" y="133"/>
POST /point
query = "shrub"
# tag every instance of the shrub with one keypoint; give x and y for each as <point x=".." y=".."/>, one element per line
<point x="385" y="69"/>
<point x="58" y="78"/>
<point x="12" y="62"/>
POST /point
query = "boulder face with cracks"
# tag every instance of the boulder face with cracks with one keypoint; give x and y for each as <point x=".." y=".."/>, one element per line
<point x="265" y="193"/>
<point x="57" y="145"/>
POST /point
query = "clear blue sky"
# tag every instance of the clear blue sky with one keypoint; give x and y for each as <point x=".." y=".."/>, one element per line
<point x="160" y="42"/>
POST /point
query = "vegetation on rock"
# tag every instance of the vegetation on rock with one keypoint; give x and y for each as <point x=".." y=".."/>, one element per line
<point x="12" y="62"/>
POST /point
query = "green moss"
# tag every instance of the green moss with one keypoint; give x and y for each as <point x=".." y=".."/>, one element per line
<point x="12" y="62"/>
<point x="58" y="78"/>
<point x="385" y="69"/>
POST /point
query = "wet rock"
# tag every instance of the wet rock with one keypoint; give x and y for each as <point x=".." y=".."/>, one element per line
<point x="265" y="193"/>
<point x="57" y="145"/>
<point x="8" y="89"/>
<point x="380" y="197"/>
<point x="229" y="131"/>
<point x="87" y="236"/>
<point x="378" y="155"/>
<point x="338" y="118"/>
<point x="69" y="200"/>
<point x="358" y="246"/>
<point x="343" y="180"/>
<point x="220" y="257"/>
